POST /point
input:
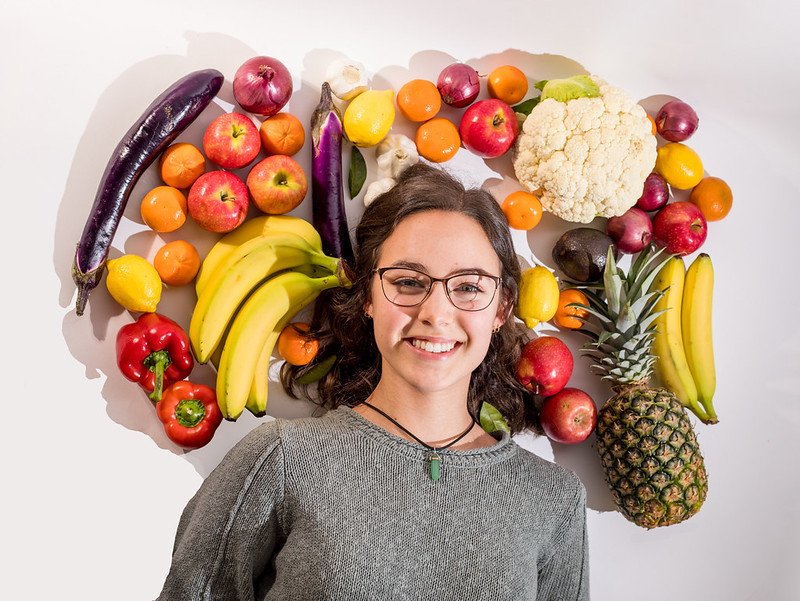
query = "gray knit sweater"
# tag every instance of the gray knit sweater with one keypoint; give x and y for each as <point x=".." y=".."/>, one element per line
<point x="336" y="507"/>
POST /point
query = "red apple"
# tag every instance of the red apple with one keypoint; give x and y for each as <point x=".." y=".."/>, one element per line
<point x="680" y="227"/>
<point x="569" y="416"/>
<point x="488" y="128"/>
<point x="218" y="201"/>
<point x="545" y="365"/>
<point x="231" y="141"/>
<point x="277" y="184"/>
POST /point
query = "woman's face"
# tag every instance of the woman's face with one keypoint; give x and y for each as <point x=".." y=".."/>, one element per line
<point x="434" y="346"/>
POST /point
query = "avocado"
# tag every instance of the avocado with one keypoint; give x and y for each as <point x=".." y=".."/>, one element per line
<point x="581" y="253"/>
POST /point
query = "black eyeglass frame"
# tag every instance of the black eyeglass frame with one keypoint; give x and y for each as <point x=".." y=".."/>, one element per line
<point x="498" y="281"/>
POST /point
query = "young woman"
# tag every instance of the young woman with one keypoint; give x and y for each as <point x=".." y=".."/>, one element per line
<point x="397" y="492"/>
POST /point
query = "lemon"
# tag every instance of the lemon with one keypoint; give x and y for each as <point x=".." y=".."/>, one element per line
<point x="134" y="283"/>
<point x="679" y="165"/>
<point x="538" y="296"/>
<point x="369" y="117"/>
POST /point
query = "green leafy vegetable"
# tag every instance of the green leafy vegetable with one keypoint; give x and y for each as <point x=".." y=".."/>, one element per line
<point x="358" y="172"/>
<point x="570" y="88"/>
<point x="526" y="106"/>
<point x="318" y="371"/>
<point x="492" y="420"/>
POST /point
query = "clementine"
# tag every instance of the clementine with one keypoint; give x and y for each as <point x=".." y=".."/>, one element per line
<point x="282" y="134"/>
<point x="295" y="346"/>
<point x="164" y="209"/>
<point x="507" y="83"/>
<point x="177" y="262"/>
<point x="523" y="210"/>
<point x="419" y="100"/>
<point x="438" y="140"/>
<point x="181" y="164"/>
<point x="713" y="197"/>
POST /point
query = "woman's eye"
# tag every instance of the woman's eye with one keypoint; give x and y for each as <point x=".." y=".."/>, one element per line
<point x="468" y="288"/>
<point x="408" y="283"/>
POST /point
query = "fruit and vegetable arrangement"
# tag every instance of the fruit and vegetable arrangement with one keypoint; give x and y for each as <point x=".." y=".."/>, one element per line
<point x="580" y="149"/>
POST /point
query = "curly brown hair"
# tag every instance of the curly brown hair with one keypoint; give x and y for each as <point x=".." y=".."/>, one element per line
<point x="343" y="330"/>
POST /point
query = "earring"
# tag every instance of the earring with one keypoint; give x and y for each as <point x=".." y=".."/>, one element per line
<point x="367" y="314"/>
<point x="496" y="329"/>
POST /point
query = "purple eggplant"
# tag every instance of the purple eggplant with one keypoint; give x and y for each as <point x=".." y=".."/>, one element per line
<point x="327" y="192"/>
<point x="159" y="125"/>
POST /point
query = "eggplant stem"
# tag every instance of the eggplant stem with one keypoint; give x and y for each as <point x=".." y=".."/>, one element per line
<point x="83" y="297"/>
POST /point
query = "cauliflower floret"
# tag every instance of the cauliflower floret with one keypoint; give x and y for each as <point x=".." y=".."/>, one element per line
<point x="587" y="157"/>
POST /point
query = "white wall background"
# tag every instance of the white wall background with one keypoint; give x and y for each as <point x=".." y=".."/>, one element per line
<point x="92" y="489"/>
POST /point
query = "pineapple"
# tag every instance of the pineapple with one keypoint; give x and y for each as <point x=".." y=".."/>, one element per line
<point x="646" y="443"/>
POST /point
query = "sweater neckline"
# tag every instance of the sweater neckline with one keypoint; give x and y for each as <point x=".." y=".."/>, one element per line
<point x="499" y="451"/>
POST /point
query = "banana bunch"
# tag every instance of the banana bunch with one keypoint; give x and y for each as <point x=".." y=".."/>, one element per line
<point x="683" y="342"/>
<point x="251" y="284"/>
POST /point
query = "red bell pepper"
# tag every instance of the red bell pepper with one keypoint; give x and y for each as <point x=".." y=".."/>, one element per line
<point x="190" y="414"/>
<point x="154" y="351"/>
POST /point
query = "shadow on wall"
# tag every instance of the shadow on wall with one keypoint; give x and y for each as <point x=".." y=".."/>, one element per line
<point x="91" y="338"/>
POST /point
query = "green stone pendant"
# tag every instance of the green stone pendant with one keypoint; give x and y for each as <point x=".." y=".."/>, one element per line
<point x="436" y="467"/>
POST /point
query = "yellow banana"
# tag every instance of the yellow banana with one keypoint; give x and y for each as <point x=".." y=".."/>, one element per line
<point x="231" y="284"/>
<point x="250" y="229"/>
<point x="259" y="387"/>
<point x="671" y="366"/>
<point x="277" y="299"/>
<point x="696" y="330"/>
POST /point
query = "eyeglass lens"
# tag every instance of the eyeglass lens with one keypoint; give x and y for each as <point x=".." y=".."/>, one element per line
<point x="467" y="291"/>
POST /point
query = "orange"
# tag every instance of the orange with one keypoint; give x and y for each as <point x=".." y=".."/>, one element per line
<point x="679" y="165"/>
<point x="567" y="317"/>
<point x="177" y="263"/>
<point x="419" y="100"/>
<point x="508" y="84"/>
<point x="164" y="209"/>
<point x="438" y="140"/>
<point x="653" y="125"/>
<point x="282" y="134"/>
<point x="296" y="346"/>
<point x="181" y="165"/>
<point x="713" y="197"/>
<point x="523" y="210"/>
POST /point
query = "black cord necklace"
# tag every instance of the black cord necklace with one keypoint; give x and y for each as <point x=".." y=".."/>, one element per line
<point x="435" y="460"/>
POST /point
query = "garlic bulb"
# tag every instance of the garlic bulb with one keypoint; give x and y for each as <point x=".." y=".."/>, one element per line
<point x="347" y="79"/>
<point x="377" y="188"/>
<point x="394" y="154"/>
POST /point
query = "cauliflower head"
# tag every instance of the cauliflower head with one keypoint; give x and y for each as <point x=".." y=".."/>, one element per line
<point x="586" y="157"/>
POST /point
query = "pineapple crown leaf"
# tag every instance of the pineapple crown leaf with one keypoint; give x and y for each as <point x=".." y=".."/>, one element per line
<point x="644" y="262"/>
<point x="620" y="320"/>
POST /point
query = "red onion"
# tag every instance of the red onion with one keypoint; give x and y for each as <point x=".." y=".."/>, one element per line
<point x="676" y="121"/>
<point x="631" y="231"/>
<point x="262" y="85"/>
<point x="459" y="85"/>
<point x="655" y="194"/>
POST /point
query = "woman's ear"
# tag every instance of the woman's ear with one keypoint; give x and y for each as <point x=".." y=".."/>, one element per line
<point x="504" y="310"/>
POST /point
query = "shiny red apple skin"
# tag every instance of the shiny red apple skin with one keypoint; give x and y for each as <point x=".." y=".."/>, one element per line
<point x="568" y="417"/>
<point x="277" y="184"/>
<point x="545" y="365"/>
<point x="488" y="128"/>
<point x="680" y="227"/>
<point x="231" y="141"/>
<point x="218" y="201"/>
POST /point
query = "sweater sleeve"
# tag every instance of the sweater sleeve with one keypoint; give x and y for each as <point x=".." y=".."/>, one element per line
<point x="229" y="530"/>
<point x="564" y="575"/>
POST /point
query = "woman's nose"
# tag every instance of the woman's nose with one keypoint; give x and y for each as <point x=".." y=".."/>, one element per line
<point x="436" y="308"/>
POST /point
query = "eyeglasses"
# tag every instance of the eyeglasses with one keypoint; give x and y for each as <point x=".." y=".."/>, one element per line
<point x="407" y="287"/>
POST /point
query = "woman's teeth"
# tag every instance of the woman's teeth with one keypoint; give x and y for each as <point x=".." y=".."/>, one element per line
<point x="433" y="347"/>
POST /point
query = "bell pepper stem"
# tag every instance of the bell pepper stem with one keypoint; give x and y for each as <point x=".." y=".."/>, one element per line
<point x="157" y="362"/>
<point x="189" y="412"/>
